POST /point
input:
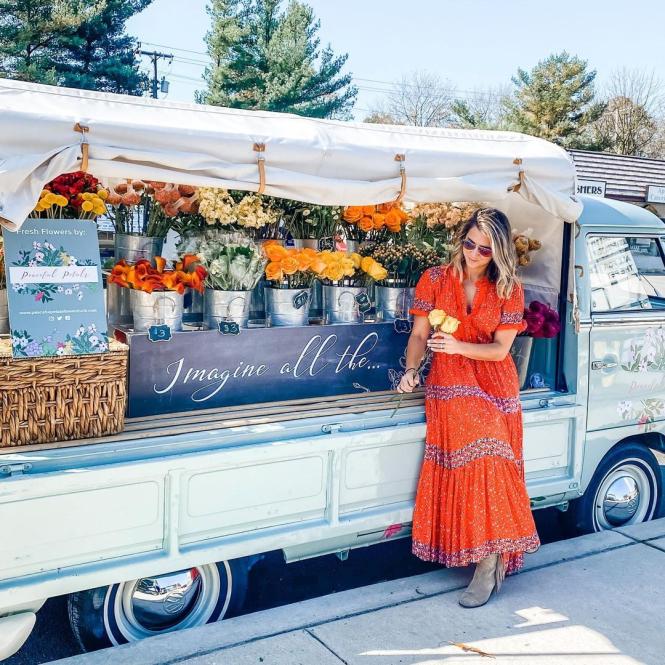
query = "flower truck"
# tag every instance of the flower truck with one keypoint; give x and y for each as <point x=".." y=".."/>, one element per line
<point x="244" y="438"/>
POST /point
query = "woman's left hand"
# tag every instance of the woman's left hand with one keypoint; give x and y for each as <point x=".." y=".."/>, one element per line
<point x="441" y="342"/>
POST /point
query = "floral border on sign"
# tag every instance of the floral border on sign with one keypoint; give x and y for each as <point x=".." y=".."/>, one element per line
<point x="85" y="340"/>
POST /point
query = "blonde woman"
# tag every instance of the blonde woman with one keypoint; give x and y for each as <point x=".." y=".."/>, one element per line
<point x="471" y="504"/>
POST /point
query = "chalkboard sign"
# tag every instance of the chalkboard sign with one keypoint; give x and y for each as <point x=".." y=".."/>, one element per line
<point x="203" y="369"/>
<point x="229" y="328"/>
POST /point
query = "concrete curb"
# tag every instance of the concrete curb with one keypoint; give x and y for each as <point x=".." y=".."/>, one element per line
<point x="196" y="642"/>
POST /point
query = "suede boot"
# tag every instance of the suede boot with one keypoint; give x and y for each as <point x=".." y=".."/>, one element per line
<point x="488" y="576"/>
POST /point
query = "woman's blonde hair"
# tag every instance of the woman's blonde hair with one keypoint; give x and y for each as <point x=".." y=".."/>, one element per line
<point x="502" y="269"/>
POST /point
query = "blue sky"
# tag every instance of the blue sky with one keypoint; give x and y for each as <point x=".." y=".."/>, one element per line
<point x="470" y="43"/>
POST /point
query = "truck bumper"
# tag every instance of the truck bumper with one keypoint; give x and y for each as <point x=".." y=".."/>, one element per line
<point x="14" y="631"/>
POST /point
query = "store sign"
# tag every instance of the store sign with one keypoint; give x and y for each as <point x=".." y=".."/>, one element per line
<point x="54" y="288"/>
<point x="205" y="369"/>
<point x="655" y="194"/>
<point x="591" y="187"/>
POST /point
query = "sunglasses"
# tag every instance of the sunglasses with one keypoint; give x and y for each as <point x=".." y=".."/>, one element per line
<point x="483" y="250"/>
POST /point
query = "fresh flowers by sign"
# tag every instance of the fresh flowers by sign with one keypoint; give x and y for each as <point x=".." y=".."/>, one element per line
<point x="143" y="276"/>
<point x="310" y="221"/>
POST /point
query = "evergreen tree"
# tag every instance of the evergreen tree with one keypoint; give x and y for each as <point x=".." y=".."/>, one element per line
<point x="28" y="31"/>
<point x="555" y="100"/>
<point x="99" y="55"/>
<point x="265" y="58"/>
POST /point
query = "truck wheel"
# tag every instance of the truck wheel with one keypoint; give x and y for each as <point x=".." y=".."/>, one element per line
<point x="129" y="611"/>
<point x="625" y="489"/>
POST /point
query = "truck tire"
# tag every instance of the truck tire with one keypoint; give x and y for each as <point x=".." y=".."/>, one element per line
<point x="129" y="611"/>
<point x="625" y="489"/>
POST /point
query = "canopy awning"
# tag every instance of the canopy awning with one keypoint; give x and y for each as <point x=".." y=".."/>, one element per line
<point x="319" y="161"/>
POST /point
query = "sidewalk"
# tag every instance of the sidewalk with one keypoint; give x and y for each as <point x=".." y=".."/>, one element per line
<point x="597" y="599"/>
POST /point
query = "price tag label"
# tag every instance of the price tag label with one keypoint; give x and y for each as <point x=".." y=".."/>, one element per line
<point x="364" y="303"/>
<point x="326" y="244"/>
<point x="161" y="333"/>
<point x="229" y="328"/>
<point x="300" y="299"/>
<point x="402" y="326"/>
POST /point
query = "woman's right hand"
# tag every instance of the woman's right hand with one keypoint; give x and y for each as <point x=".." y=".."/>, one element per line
<point x="409" y="381"/>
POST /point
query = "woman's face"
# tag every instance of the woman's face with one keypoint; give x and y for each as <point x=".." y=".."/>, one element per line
<point x="477" y="249"/>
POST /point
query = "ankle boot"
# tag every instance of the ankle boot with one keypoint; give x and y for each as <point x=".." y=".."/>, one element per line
<point x="488" y="576"/>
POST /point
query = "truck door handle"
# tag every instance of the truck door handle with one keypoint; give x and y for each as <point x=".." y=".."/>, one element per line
<point x="601" y="364"/>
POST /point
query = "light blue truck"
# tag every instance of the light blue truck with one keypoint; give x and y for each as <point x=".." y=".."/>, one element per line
<point x="156" y="529"/>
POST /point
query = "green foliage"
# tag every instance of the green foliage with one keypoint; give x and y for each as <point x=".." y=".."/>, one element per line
<point x="264" y="58"/>
<point x="555" y="100"/>
<point x="76" y="43"/>
<point x="99" y="55"/>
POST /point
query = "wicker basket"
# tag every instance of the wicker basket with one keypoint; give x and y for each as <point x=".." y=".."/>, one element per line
<point x="58" y="399"/>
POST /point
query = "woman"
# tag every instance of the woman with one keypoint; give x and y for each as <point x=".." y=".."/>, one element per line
<point x="471" y="504"/>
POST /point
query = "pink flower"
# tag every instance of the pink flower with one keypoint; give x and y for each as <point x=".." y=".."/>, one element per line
<point x="39" y="296"/>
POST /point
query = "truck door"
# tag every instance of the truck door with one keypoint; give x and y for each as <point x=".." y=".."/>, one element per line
<point x="627" y="338"/>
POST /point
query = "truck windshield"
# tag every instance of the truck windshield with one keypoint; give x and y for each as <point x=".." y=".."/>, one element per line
<point x="626" y="273"/>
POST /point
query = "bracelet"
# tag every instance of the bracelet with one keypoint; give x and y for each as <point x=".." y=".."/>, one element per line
<point x="411" y="369"/>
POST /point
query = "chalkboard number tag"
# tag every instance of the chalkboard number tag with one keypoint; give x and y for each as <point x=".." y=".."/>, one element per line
<point x="160" y="333"/>
<point x="364" y="303"/>
<point x="326" y="244"/>
<point x="229" y="328"/>
<point x="402" y="326"/>
<point x="300" y="299"/>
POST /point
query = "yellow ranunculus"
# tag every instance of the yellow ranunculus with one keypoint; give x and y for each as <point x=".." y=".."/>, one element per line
<point x="62" y="201"/>
<point x="449" y="325"/>
<point x="366" y="263"/>
<point x="87" y="206"/>
<point x="86" y="196"/>
<point x="356" y="258"/>
<point x="103" y="194"/>
<point x="436" y="317"/>
<point x="377" y="272"/>
<point x="50" y="198"/>
<point x="99" y="209"/>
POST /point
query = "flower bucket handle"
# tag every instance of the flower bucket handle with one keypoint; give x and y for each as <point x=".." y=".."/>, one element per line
<point x="403" y="303"/>
<point x="242" y="299"/>
<point x="159" y="304"/>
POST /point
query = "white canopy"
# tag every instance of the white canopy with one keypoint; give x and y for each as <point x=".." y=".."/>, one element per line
<point x="318" y="161"/>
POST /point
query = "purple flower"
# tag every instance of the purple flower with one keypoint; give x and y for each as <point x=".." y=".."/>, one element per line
<point x="33" y="349"/>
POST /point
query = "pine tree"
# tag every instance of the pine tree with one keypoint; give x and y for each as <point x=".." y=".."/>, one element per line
<point x="99" y="55"/>
<point x="28" y="31"/>
<point x="265" y="58"/>
<point x="555" y="100"/>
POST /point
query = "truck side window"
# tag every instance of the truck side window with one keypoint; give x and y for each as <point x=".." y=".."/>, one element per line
<point x="626" y="274"/>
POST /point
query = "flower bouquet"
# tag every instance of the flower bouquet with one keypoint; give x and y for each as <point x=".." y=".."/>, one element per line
<point x="542" y="322"/>
<point x="71" y="196"/>
<point x="290" y="273"/>
<point x="377" y="223"/>
<point x="252" y="213"/>
<point x="404" y="265"/>
<point x="435" y="224"/>
<point x="157" y="294"/>
<point x="346" y="278"/>
<point x="235" y="265"/>
<point x="310" y="222"/>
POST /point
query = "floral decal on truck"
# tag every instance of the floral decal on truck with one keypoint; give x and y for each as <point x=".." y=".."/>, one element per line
<point x="645" y="353"/>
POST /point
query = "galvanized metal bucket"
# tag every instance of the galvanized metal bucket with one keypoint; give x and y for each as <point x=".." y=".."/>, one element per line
<point x="193" y="310"/>
<point x="393" y="302"/>
<point x="282" y="306"/>
<point x="131" y="248"/>
<point x="118" y="306"/>
<point x="157" y="308"/>
<point x="226" y="306"/>
<point x="4" y="312"/>
<point x="316" y="303"/>
<point x="352" y="246"/>
<point x="340" y="304"/>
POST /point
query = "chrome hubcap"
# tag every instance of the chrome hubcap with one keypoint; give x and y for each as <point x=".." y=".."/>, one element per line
<point x="622" y="499"/>
<point x="624" y="496"/>
<point x="161" y="602"/>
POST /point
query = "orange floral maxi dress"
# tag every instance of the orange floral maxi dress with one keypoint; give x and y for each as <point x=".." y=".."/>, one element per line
<point x="472" y="500"/>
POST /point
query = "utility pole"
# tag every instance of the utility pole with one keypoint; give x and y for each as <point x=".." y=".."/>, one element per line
<point x="155" y="56"/>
